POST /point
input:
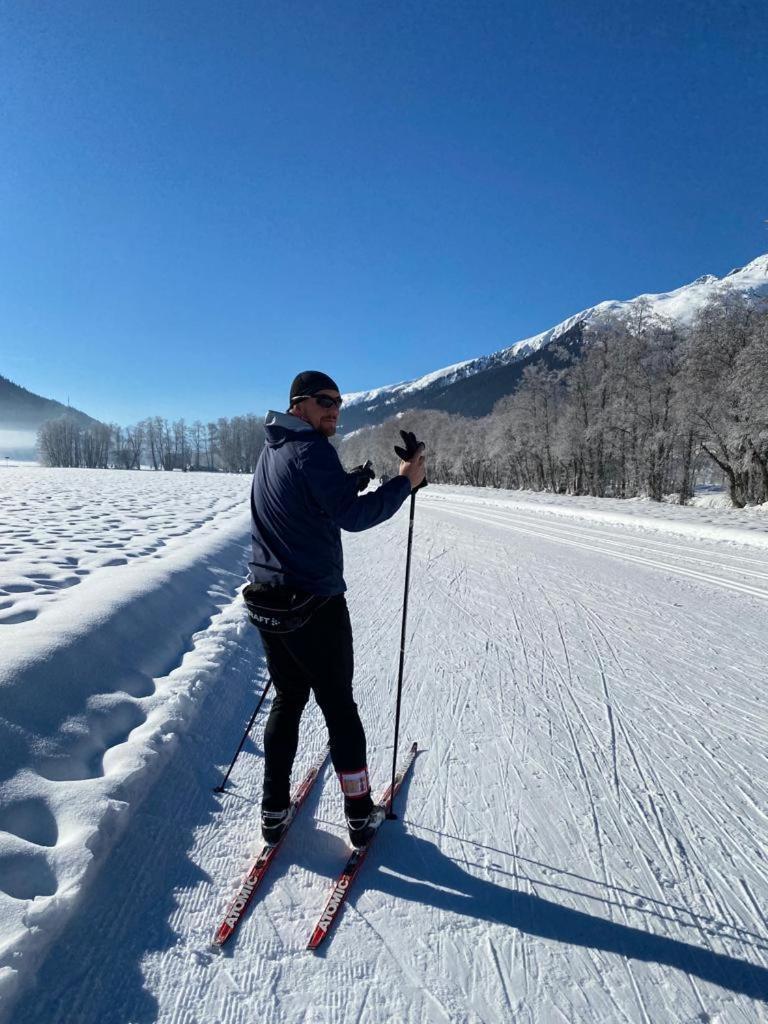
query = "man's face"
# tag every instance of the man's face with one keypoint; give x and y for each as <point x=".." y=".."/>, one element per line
<point x="323" y="420"/>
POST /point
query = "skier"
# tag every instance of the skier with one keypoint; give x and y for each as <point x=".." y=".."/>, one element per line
<point x="301" y="497"/>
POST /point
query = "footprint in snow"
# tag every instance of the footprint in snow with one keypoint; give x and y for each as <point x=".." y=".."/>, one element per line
<point x="30" y="819"/>
<point x="24" y="876"/>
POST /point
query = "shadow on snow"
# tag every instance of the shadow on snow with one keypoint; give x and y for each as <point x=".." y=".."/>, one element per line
<point x="95" y="969"/>
<point x="415" y="869"/>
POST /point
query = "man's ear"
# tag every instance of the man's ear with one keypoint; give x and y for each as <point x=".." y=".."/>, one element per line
<point x="298" y="412"/>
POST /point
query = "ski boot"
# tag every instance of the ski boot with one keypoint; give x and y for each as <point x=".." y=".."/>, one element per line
<point x="274" y="824"/>
<point x="361" y="830"/>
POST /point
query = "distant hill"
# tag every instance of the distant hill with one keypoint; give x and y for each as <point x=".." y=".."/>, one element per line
<point x="22" y="410"/>
<point x="22" y="413"/>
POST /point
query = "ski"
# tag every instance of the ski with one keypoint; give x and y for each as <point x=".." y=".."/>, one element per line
<point x="354" y="863"/>
<point x="252" y="880"/>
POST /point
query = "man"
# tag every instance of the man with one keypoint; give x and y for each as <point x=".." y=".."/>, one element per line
<point x="300" y="500"/>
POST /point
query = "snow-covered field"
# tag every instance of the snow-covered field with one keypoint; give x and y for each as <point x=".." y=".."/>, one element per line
<point x="583" y="837"/>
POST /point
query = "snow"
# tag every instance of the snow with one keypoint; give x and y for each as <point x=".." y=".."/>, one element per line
<point x="709" y="518"/>
<point x="105" y="579"/>
<point x="680" y="305"/>
<point x="449" y="373"/>
<point x="582" y="838"/>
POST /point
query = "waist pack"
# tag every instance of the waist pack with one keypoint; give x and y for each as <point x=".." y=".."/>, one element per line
<point x="275" y="608"/>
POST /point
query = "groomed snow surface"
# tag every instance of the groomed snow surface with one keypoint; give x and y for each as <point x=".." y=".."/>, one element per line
<point x="583" y="835"/>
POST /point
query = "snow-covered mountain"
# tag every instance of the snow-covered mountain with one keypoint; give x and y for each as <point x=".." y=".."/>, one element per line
<point x="474" y="385"/>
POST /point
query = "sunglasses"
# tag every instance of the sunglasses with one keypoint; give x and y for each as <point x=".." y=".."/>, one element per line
<point x="324" y="401"/>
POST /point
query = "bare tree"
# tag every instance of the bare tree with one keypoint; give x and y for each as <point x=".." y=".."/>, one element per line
<point x="197" y="442"/>
<point x="64" y="442"/>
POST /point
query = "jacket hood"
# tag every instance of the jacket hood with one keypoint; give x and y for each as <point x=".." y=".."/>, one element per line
<point x="282" y="426"/>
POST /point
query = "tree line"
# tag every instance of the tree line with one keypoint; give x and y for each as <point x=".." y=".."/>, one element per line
<point x="644" y="408"/>
<point x="226" y="445"/>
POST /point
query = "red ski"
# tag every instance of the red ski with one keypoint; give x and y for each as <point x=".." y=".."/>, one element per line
<point x="252" y="880"/>
<point x="355" y="862"/>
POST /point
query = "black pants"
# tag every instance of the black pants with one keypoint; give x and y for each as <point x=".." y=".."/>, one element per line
<point x="317" y="657"/>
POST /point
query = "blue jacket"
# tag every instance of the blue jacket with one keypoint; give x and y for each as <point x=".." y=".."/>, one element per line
<point x="301" y="497"/>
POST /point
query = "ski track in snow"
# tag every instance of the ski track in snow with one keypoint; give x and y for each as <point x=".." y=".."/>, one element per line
<point x="582" y="838"/>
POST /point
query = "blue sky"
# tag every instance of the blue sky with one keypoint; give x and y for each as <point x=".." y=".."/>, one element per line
<point x="199" y="199"/>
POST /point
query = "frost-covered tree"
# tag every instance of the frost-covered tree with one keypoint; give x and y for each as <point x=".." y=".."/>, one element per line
<point x="724" y="376"/>
<point x="639" y="410"/>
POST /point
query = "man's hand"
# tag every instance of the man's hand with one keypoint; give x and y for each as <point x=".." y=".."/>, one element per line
<point x="414" y="462"/>
<point x="364" y="475"/>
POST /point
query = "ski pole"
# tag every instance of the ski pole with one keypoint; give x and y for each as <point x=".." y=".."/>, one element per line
<point x="220" y="789"/>
<point x="391" y="814"/>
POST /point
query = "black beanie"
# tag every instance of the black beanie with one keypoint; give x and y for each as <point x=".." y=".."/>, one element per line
<point x="309" y="382"/>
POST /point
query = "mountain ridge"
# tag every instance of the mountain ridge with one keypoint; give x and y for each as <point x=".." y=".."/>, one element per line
<point x="22" y="413"/>
<point x="472" y="387"/>
<point x="21" y="409"/>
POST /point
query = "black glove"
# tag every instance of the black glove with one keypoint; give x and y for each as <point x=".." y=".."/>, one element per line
<point x="364" y="475"/>
<point x="411" y="448"/>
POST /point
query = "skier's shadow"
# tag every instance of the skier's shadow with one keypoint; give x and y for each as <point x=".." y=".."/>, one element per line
<point x="611" y="894"/>
<point x="414" y="869"/>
